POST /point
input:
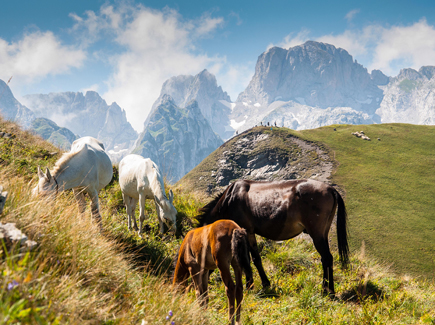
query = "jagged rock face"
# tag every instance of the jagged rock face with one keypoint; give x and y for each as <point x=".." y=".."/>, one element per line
<point x="259" y="154"/>
<point x="315" y="75"/>
<point x="410" y="97"/>
<point x="11" y="109"/>
<point x="379" y="78"/>
<point x="323" y="75"/>
<point x="86" y="115"/>
<point x="213" y="102"/>
<point x="50" y="131"/>
<point x="176" y="138"/>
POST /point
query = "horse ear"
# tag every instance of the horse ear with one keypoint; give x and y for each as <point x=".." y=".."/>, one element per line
<point x="47" y="172"/>
<point x="157" y="200"/>
<point x="171" y="196"/>
<point x="40" y="173"/>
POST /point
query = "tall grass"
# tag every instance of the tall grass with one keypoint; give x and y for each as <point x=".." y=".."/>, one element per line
<point x="78" y="275"/>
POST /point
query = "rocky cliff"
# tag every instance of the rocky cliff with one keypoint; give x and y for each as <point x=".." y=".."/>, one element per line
<point x="213" y="102"/>
<point x="315" y="75"/>
<point x="11" y="109"/>
<point x="176" y="138"/>
<point x="410" y="97"/>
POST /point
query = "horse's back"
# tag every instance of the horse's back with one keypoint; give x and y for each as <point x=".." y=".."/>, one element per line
<point x="95" y="144"/>
<point x="89" y="152"/>
<point x="133" y="174"/>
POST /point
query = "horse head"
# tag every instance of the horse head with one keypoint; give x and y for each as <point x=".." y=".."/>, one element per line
<point x="47" y="185"/>
<point x="168" y="209"/>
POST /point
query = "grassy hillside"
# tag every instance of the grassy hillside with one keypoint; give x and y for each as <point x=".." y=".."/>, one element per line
<point x="390" y="190"/>
<point x="78" y="276"/>
<point x="388" y="185"/>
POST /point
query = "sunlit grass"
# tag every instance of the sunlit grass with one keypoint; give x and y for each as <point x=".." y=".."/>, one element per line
<point x="77" y="275"/>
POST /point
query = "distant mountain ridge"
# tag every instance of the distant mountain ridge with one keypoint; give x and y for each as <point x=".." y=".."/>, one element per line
<point x="213" y="102"/>
<point x="176" y="138"/>
<point x="410" y="97"/>
<point x="50" y="131"/>
<point x="87" y="115"/>
<point x="11" y="109"/>
<point x="316" y="75"/>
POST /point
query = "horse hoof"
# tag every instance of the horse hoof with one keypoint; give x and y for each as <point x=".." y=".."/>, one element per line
<point x="266" y="285"/>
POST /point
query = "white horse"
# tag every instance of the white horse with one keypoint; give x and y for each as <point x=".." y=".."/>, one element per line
<point x="140" y="179"/>
<point x="86" y="169"/>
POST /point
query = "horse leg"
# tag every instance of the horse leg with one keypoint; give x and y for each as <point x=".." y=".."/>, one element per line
<point x="257" y="262"/>
<point x="205" y="276"/>
<point x="322" y="246"/>
<point x="80" y="198"/>
<point x="239" y="290"/>
<point x="197" y="276"/>
<point x="162" y="227"/>
<point x="230" y="289"/>
<point x="96" y="208"/>
<point x="142" y="199"/>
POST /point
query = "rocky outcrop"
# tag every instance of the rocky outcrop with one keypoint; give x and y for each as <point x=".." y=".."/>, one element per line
<point x="410" y="97"/>
<point x="86" y="115"/>
<point x="3" y="196"/>
<point x="50" y="131"/>
<point x="11" y="109"/>
<point x="260" y="154"/>
<point x="12" y="237"/>
<point x="213" y="102"/>
<point x="176" y="138"/>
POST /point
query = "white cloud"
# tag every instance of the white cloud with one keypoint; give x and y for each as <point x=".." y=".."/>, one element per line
<point x="349" y="16"/>
<point x="291" y="41"/>
<point x="156" y="45"/>
<point x="388" y="49"/>
<point x="37" y="55"/>
<point x="207" y="24"/>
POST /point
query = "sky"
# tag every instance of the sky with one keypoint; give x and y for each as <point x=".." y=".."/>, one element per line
<point x="125" y="50"/>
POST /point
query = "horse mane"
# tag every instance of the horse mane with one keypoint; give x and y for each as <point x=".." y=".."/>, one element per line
<point x="205" y="212"/>
<point x="63" y="161"/>
<point x="156" y="182"/>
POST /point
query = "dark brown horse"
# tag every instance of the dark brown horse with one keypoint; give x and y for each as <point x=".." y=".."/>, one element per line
<point x="218" y="245"/>
<point x="282" y="210"/>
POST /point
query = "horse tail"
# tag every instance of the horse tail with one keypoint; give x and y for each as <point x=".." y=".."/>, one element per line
<point x="343" y="246"/>
<point x="240" y="250"/>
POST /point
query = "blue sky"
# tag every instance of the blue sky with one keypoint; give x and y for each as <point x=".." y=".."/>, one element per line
<point x="125" y="50"/>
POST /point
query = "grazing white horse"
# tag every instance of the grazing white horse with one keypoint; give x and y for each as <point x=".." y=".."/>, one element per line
<point x="86" y="169"/>
<point x="140" y="179"/>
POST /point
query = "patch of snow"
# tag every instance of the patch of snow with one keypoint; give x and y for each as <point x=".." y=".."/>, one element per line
<point x="301" y="100"/>
<point x="245" y="103"/>
<point x="257" y="104"/>
<point x="235" y="125"/>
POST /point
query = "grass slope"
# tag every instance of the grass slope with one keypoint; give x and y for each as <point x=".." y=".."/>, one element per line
<point x="389" y="190"/>
<point x="78" y="276"/>
<point x="388" y="184"/>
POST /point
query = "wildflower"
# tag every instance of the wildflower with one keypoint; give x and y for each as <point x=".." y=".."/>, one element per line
<point x="12" y="285"/>
<point x="172" y="323"/>
<point x="167" y="317"/>
<point x="170" y="313"/>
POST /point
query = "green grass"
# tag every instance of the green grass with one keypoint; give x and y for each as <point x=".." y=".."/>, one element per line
<point x="78" y="276"/>
<point x="389" y="190"/>
<point x="408" y="85"/>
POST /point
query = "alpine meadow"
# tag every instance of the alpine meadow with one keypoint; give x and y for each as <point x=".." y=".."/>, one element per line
<point x="77" y="275"/>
